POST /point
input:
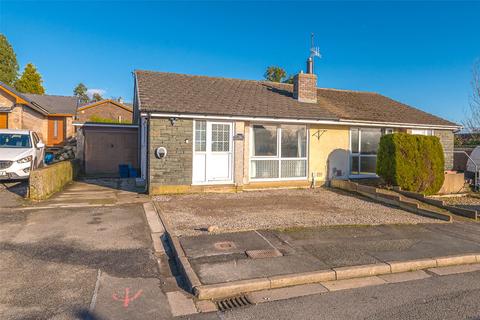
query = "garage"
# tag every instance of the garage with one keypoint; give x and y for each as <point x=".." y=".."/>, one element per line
<point x="102" y="148"/>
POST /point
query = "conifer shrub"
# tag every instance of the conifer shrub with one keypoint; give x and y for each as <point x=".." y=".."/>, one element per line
<point x="413" y="162"/>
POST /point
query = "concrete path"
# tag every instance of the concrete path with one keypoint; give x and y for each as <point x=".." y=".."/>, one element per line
<point x="92" y="193"/>
<point x="80" y="262"/>
<point x="222" y="257"/>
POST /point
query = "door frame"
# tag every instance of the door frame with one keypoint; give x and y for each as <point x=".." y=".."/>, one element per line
<point x="206" y="152"/>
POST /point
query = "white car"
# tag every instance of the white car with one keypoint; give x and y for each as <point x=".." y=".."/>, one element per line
<point x="21" y="151"/>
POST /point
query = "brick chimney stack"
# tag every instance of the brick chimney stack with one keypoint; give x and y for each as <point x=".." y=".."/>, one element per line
<point x="305" y="87"/>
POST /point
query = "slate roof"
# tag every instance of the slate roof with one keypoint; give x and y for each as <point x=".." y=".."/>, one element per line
<point x="54" y="104"/>
<point x="189" y="94"/>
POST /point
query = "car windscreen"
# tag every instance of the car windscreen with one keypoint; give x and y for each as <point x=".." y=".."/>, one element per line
<point x="15" y="140"/>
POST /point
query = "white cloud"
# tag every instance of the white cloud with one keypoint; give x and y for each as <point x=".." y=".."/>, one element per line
<point x="90" y="92"/>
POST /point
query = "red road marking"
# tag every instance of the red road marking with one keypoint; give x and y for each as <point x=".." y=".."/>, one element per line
<point x="126" y="298"/>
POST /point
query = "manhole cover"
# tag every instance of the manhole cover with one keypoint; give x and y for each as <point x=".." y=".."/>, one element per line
<point x="224" y="245"/>
<point x="261" y="254"/>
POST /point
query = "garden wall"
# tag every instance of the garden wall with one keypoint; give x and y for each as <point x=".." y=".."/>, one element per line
<point x="46" y="181"/>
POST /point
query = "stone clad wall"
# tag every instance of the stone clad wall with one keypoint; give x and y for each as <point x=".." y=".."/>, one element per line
<point x="174" y="172"/>
<point x="446" y="138"/>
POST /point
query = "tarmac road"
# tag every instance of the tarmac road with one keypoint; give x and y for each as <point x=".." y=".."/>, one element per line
<point x="447" y="297"/>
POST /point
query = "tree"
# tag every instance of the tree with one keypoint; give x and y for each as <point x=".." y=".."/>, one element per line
<point x="97" y="97"/>
<point x="8" y="62"/>
<point x="472" y="122"/>
<point x="80" y="92"/>
<point x="30" y="81"/>
<point x="289" y="79"/>
<point x="275" y="74"/>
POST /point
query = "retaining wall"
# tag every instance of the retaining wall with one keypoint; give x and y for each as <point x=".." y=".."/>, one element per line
<point x="46" y="181"/>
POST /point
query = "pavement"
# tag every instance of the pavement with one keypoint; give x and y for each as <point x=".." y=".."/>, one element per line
<point x="452" y="297"/>
<point x="220" y="258"/>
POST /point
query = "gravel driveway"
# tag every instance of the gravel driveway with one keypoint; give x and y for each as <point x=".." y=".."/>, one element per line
<point x="273" y="209"/>
<point x="468" y="202"/>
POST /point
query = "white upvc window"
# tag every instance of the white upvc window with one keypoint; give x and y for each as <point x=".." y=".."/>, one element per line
<point x="278" y="152"/>
<point x="363" y="151"/>
<point x="422" y="132"/>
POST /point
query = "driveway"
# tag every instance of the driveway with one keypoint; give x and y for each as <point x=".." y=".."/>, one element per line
<point x="277" y="209"/>
<point x="12" y="194"/>
<point x="78" y="262"/>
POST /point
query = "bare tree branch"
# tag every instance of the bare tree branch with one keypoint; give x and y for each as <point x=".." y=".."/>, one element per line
<point x="472" y="122"/>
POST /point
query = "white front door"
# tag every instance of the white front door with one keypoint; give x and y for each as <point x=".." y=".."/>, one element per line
<point x="212" y="152"/>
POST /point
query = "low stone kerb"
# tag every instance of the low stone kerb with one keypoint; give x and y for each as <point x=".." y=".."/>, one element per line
<point x="361" y="271"/>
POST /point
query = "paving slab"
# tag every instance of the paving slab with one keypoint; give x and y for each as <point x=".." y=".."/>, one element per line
<point x="285" y="293"/>
<point x="205" y="306"/>
<point x="352" y="283"/>
<point x="222" y="244"/>
<point x="405" y="276"/>
<point x="180" y="304"/>
<point x="240" y="269"/>
<point x="127" y="298"/>
<point x="443" y="271"/>
<point x="307" y="250"/>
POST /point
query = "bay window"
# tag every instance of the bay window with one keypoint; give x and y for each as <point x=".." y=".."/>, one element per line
<point x="278" y="152"/>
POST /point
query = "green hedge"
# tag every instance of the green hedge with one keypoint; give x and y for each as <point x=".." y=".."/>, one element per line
<point x="413" y="162"/>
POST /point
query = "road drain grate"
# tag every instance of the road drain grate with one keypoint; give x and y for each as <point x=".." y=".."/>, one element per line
<point x="232" y="303"/>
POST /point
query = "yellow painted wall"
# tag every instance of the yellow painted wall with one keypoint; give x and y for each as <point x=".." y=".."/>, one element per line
<point x="328" y="152"/>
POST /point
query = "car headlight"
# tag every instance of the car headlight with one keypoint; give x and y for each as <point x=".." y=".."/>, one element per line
<point x="25" y="160"/>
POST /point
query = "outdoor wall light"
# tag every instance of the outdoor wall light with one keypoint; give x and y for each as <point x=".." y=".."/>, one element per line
<point x="160" y="152"/>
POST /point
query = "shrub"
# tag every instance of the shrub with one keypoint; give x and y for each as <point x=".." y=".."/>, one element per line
<point x="99" y="119"/>
<point x="413" y="162"/>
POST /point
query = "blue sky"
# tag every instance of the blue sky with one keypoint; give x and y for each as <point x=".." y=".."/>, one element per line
<point x="420" y="53"/>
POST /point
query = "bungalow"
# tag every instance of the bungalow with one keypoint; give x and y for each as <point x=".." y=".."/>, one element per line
<point x="51" y="117"/>
<point x="202" y="133"/>
<point x="104" y="111"/>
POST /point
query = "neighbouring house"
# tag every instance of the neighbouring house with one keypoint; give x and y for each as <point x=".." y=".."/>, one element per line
<point x="202" y="133"/>
<point x="106" y="137"/>
<point x="50" y="116"/>
<point x="104" y="111"/>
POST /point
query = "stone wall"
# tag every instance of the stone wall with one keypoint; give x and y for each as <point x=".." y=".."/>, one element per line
<point x="175" y="169"/>
<point x="46" y="181"/>
<point x="446" y="138"/>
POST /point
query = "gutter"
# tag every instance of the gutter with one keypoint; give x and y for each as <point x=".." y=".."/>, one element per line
<point x="344" y="122"/>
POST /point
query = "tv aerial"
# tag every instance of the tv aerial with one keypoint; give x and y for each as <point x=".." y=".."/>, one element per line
<point x="314" y="51"/>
